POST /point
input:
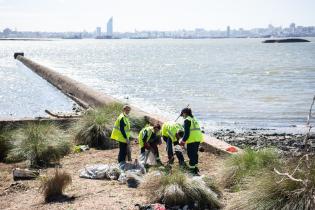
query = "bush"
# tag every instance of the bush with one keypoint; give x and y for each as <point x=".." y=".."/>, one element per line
<point x="248" y="163"/>
<point x="53" y="186"/>
<point x="41" y="143"/>
<point x="272" y="191"/>
<point x="95" y="127"/>
<point x="5" y="143"/>
<point x="178" y="189"/>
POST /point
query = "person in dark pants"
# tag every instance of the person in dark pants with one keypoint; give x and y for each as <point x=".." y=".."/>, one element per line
<point x="121" y="133"/>
<point x="192" y="137"/>
<point x="171" y="133"/>
<point x="149" y="139"/>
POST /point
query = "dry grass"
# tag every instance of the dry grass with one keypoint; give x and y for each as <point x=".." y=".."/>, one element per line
<point x="178" y="189"/>
<point x="54" y="185"/>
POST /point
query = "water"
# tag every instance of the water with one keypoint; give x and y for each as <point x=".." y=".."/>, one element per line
<point x="238" y="83"/>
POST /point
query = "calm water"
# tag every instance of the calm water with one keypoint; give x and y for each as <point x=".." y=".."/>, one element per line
<point x="238" y="83"/>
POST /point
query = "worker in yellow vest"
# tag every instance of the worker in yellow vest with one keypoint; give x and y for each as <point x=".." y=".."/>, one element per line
<point x="192" y="137"/>
<point x="171" y="133"/>
<point x="121" y="133"/>
<point x="149" y="138"/>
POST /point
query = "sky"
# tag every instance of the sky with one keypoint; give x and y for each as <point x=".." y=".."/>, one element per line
<point x="131" y="15"/>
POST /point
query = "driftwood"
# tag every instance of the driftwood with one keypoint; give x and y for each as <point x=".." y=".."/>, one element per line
<point x="81" y="103"/>
<point x="305" y="158"/>
<point x="24" y="174"/>
<point x="61" y="116"/>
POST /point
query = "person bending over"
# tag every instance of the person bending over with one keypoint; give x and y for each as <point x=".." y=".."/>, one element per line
<point x="171" y="133"/>
<point x="149" y="139"/>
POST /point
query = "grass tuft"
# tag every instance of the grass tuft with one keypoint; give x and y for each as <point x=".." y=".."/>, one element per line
<point x="178" y="189"/>
<point x="248" y="163"/>
<point x="271" y="191"/>
<point x="42" y="143"/>
<point x="5" y="143"/>
<point x="94" y="128"/>
<point x="54" y="185"/>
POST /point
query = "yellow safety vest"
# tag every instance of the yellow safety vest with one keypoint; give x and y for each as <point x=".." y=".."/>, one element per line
<point x="116" y="133"/>
<point x="169" y="130"/>
<point x="149" y="130"/>
<point x="195" y="134"/>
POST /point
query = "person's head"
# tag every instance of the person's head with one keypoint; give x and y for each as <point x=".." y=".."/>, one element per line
<point x="179" y="134"/>
<point x="186" y="112"/>
<point x="157" y="128"/>
<point x="126" y="109"/>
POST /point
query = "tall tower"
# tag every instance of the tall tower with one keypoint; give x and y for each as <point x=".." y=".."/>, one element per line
<point x="228" y="30"/>
<point x="110" y="28"/>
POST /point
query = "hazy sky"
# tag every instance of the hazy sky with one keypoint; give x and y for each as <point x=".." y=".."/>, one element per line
<point x="78" y="15"/>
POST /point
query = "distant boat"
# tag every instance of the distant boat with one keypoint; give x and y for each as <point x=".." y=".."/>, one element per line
<point x="285" y="40"/>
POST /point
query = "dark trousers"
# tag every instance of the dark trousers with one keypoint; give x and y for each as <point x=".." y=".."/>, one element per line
<point x="192" y="152"/>
<point x="154" y="150"/>
<point x="122" y="152"/>
<point x="170" y="152"/>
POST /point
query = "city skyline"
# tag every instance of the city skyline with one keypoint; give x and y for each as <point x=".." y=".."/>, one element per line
<point x="141" y="15"/>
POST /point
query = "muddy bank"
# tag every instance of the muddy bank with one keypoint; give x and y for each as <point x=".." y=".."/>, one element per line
<point x="287" y="142"/>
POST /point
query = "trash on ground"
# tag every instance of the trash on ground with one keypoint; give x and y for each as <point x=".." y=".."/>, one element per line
<point x="81" y="148"/>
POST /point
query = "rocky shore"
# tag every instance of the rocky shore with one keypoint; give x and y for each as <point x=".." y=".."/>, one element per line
<point x="255" y="139"/>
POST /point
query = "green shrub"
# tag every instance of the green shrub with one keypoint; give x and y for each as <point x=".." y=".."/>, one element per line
<point x="248" y="163"/>
<point x="5" y="143"/>
<point x="179" y="189"/>
<point x="272" y="191"/>
<point x="94" y="128"/>
<point x="41" y="143"/>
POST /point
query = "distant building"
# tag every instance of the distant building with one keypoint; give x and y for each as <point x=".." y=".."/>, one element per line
<point x="292" y="28"/>
<point x="110" y="28"/>
<point x="228" y="31"/>
<point x="98" y="31"/>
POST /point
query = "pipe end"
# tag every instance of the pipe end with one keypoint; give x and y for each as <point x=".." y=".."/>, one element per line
<point x="16" y="54"/>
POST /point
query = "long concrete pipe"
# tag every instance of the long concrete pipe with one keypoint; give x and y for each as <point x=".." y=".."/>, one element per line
<point x="96" y="98"/>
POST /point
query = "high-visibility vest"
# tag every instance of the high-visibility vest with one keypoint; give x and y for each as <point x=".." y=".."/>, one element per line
<point x="142" y="141"/>
<point x="116" y="133"/>
<point x="169" y="130"/>
<point x="195" y="134"/>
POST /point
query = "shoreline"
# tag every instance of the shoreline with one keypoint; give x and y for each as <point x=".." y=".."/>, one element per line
<point x="288" y="143"/>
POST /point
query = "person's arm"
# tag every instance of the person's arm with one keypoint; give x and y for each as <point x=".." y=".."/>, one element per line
<point x="122" y="128"/>
<point x="186" y="130"/>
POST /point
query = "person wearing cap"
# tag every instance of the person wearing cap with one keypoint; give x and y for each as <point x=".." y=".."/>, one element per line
<point x="192" y="138"/>
<point x="149" y="139"/>
<point x="171" y="133"/>
<point x="121" y="133"/>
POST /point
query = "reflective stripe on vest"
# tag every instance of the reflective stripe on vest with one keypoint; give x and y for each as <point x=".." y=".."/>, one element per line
<point x="195" y="132"/>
